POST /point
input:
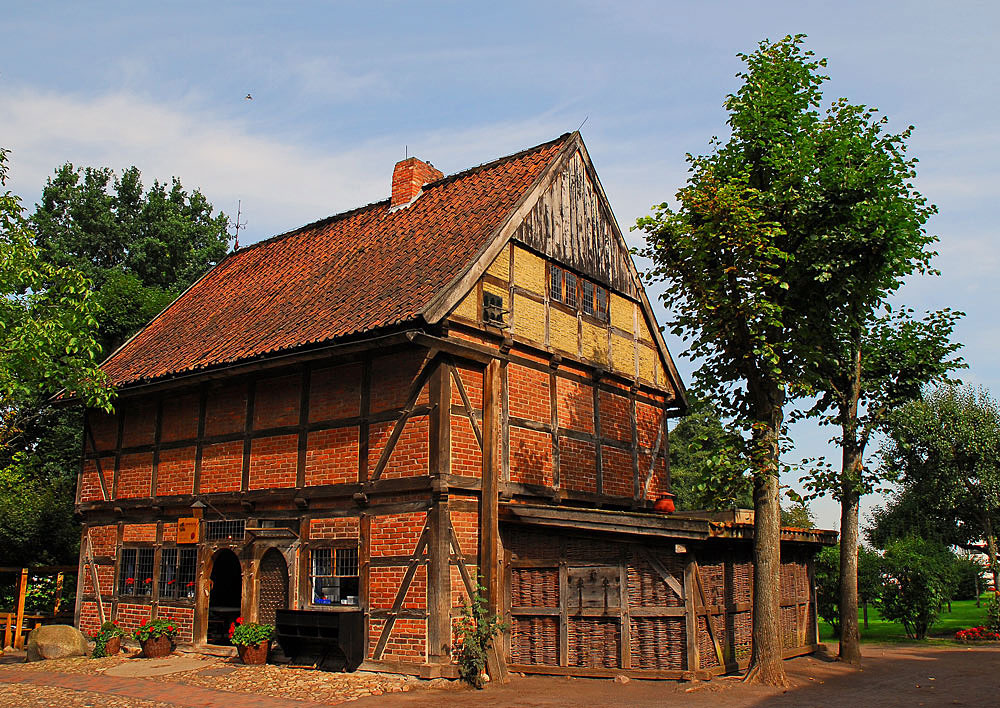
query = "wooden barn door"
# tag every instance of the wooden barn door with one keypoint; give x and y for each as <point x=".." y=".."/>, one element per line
<point x="272" y="583"/>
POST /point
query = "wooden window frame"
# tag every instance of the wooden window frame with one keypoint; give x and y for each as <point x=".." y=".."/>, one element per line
<point x="335" y="549"/>
<point x="187" y="593"/>
<point x="127" y="589"/>
<point x="559" y="280"/>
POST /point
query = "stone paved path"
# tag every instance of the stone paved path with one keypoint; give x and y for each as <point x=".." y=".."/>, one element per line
<point x="146" y="690"/>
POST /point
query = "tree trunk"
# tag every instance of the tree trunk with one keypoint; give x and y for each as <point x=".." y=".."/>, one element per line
<point x="850" y="635"/>
<point x="991" y="552"/>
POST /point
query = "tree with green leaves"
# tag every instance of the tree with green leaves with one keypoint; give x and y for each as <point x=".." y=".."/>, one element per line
<point x="775" y="236"/>
<point x="917" y="578"/>
<point x="945" y="449"/>
<point x="872" y="368"/>
<point x="137" y="249"/>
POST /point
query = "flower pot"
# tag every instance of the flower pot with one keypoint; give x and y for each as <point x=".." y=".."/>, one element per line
<point x="155" y="647"/>
<point x="664" y="505"/>
<point x="113" y="646"/>
<point x="253" y="653"/>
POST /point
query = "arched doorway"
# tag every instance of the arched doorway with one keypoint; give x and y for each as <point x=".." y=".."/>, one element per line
<point x="226" y="596"/>
<point x="272" y="593"/>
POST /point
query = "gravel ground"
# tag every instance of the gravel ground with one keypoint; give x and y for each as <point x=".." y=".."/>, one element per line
<point x="301" y="684"/>
<point x="28" y="696"/>
<point x="75" y="665"/>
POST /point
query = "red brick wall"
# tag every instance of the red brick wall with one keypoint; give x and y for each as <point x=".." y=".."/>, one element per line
<point x="90" y="618"/>
<point x="335" y="392"/>
<point x="183" y="619"/>
<point x="575" y="402"/>
<point x="273" y="461"/>
<point x="222" y="467"/>
<point x="466" y="525"/>
<point x="530" y="456"/>
<point x="332" y="456"/>
<point x="617" y="472"/>
<point x="392" y="377"/>
<point x="276" y="402"/>
<point x="408" y="641"/>
<point x="528" y="393"/>
<point x="175" y="471"/>
<point x="169" y="533"/>
<point x="130" y="615"/>
<point x="409" y="458"/>
<point x="466" y="455"/>
<point x="140" y="422"/>
<point x="104" y="428"/>
<point x="105" y="580"/>
<point x="648" y="419"/>
<point x="337" y="528"/>
<point x="658" y="481"/>
<point x="472" y="380"/>
<point x="616" y="423"/>
<point x="577" y="465"/>
<point x="139" y="532"/>
<point x="90" y="486"/>
<point x="396" y="534"/>
<point x="180" y="417"/>
<point x="135" y="475"/>
<point x="102" y="539"/>
<point x="226" y="409"/>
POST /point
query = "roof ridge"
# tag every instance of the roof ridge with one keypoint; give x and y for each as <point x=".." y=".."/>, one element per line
<point x="326" y="220"/>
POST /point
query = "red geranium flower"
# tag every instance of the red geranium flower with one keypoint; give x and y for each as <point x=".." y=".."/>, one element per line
<point x="189" y="585"/>
<point x="239" y="620"/>
<point x="129" y="581"/>
<point x="149" y="580"/>
<point x="142" y="623"/>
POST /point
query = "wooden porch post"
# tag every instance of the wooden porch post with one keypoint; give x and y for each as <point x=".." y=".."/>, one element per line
<point x="439" y="543"/>
<point x="22" y="588"/>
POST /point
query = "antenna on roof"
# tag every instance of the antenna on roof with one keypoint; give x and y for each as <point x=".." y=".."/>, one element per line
<point x="239" y="224"/>
<point x="406" y="151"/>
<point x="581" y="124"/>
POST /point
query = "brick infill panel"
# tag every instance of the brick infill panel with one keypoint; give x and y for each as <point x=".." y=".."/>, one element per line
<point x="145" y="689"/>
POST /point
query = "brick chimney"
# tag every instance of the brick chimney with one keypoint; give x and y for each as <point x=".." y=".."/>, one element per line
<point x="409" y="177"/>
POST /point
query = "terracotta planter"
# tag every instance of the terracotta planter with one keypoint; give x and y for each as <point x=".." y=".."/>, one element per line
<point x="155" y="647"/>
<point x="113" y="646"/>
<point x="664" y="505"/>
<point x="253" y="654"/>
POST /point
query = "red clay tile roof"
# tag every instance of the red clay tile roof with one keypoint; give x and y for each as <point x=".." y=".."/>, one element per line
<point x="358" y="271"/>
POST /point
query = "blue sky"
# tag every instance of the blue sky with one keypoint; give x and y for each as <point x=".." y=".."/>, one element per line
<point x="342" y="90"/>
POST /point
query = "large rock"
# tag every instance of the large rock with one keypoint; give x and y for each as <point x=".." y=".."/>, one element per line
<point x="55" y="641"/>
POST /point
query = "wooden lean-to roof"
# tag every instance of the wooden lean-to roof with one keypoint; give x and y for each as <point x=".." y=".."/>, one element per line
<point x="360" y="271"/>
<point x="363" y="272"/>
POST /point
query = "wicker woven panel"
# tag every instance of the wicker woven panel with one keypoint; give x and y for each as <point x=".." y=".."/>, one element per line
<point x="534" y="587"/>
<point x="585" y="550"/>
<point x="593" y="642"/>
<point x="740" y="582"/>
<point x="706" y="648"/>
<point x="535" y="640"/>
<point x="646" y="587"/>
<point x="272" y="575"/>
<point x="536" y="546"/>
<point x="789" y="627"/>
<point x="741" y="626"/>
<point x="713" y="582"/>
<point x="658" y="643"/>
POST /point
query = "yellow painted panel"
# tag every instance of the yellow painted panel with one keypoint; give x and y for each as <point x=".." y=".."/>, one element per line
<point x="661" y="375"/>
<point x="623" y="355"/>
<point x="563" y="331"/>
<point x="497" y="290"/>
<point x="529" y="319"/>
<point x="529" y="271"/>
<point x="500" y="267"/>
<point x="469" y="307"/>
<point x="648" y="360"/>
<point x="622" y="313"/>
<point x="644" y="334"/>
<point x="595" y="343"/>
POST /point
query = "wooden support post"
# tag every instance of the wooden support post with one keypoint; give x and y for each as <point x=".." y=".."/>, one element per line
<point x="22" y="588"/>
<point x="489" y="512"/>
<point x="691" y="617"/>
<point x="7" y="628"/>
<point x="439" y="542"/>
<point x="563" y="605"/>
<point x="59" y="589"/>
<point x="625" y="650"/>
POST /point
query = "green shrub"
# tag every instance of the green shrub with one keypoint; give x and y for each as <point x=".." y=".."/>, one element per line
<point x="993" y="613"/>
<point x="917" y="578"/>
<point x="827" y="572"/>
<point x="968" y="578"/>
<point x="249" y="634"/>
<point x="476" y="629"/>
<point x="101" y="637"/>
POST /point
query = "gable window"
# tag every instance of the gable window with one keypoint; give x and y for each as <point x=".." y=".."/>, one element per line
<point x="578" y="293"/>
<point x="135" y="572"/>
<point x="177" y="572"/>
<point x="333" y="576"/>
<point x="493" y="311"/>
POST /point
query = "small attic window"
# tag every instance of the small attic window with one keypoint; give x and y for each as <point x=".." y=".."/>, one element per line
<point x="578" y="293"/>
<point x="493" y="311"/>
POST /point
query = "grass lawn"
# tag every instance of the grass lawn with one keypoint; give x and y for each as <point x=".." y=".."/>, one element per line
<point x="964" y="614"/>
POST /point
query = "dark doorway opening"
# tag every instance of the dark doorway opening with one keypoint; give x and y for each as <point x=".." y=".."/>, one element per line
<point x="225" y="597"/>
<point x="272" y="578"/>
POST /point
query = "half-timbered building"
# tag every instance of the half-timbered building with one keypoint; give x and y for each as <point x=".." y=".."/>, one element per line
<point x="374" y="413"/>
